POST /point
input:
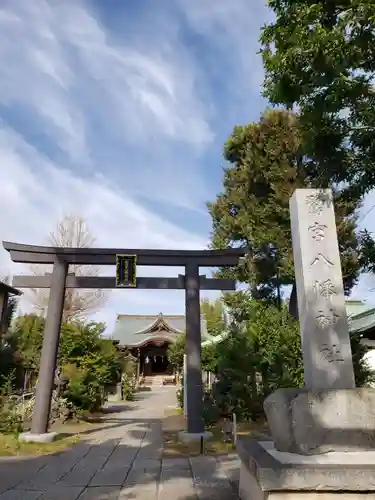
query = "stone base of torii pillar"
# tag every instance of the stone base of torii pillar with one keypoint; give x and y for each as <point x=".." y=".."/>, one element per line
<point x="323" y="435"/>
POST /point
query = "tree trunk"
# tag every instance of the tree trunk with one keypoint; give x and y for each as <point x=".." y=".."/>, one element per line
<point x="293" y="304"/>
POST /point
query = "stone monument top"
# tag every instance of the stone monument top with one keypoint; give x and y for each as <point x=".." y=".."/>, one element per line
<point x="327" y="355"/>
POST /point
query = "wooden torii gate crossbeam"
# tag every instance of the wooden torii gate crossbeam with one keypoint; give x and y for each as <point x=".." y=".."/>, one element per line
<point x="60" y="279"/>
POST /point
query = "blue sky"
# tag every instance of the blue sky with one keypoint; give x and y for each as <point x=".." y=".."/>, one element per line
<point x="118" y="110"/>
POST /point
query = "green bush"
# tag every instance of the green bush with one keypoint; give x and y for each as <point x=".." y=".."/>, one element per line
<point x="129" y="378"/>
<point x="261" y="354"/>
<point x="11" y="421"/>
<point x="89" y="362"/>
<point x="128" y="386"/>
<point x="128" y="392"/>
<point x="84" y="392"/>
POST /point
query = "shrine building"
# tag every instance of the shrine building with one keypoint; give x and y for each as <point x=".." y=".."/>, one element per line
<point x="147" y="337"/>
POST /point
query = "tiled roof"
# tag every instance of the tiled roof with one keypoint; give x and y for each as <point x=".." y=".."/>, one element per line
<point x="134" y="329"/>
<point x="361" y="317"/>
<point x="355" y="307"/>
<point x="362" y="322"/>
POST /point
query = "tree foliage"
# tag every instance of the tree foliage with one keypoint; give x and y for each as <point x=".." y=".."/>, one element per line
<point x="261" y="354"/>
<point x="213" y="313"/>
<point x="177" y="350"/>
<point x="320" y="56"/>
<point x="72" y="232"/>
<point x="253" y="208"/>
<point x="27" y="338"/>
<point x="90" y="361"/>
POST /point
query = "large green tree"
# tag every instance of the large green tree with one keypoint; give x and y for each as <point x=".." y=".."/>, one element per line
<point x="253" y="208"/>
<point x="320" y="56"/>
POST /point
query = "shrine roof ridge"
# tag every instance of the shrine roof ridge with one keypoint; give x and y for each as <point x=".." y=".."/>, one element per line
<point x="107" y="256"/>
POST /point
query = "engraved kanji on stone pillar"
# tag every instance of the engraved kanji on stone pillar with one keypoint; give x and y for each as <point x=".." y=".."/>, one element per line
<point x="327" y="355"/>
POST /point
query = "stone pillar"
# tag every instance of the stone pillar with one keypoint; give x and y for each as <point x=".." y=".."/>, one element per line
<point x="193" y="350"/>
<point x="326" y="349"/>
<point x="51" y="338"/>
<point x="4" y="297"/>
<point x="185" y="386"/>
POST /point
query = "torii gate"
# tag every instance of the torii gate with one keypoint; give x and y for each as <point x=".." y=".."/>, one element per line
<point x="126" y="261"/>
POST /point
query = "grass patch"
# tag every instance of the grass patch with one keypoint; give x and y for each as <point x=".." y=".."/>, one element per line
<point x="10" y="446"/>
<point x="175" y="422"/>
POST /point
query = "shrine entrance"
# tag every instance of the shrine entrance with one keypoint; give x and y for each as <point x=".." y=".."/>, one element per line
<point x="154" y="360"/>
<point x="126" y="262"/>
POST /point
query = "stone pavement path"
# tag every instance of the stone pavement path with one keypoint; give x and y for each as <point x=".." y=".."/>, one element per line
<point x="121" y="461"/>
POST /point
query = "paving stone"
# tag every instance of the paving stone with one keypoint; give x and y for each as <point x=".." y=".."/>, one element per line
<point x="141" y="477"/>
<point x="123" y="455"/>
<point x="176" y="463"/>
<point x="177" y="488"/>
<point x="10" y="480"/>
<point x="20" y="495"/>
<point x="170" y="474"/>
<point x="231" y="467"/>
<point x="146" y="464"/>
<point x="140" y="492"/>
<point x="57" y="468"/>
<point x="61" y="493"/>
<point x="100" y="493"/>
<point x="210" y="479"/>
<point x="110" y="475"/>
<point x="12" y="472"/>
<point x="84" y="471"/>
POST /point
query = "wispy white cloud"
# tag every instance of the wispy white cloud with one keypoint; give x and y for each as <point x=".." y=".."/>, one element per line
<point x="37" y="199"/>
<point x="92" y="94"/>
<point x="232" y="29"/>
<point x="63" y="50"/>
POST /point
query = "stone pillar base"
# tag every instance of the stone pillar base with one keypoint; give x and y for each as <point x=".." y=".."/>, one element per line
<point x="330" y="420"/>
<point x="267" y="474"/>
<point x="47" y="437"/>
